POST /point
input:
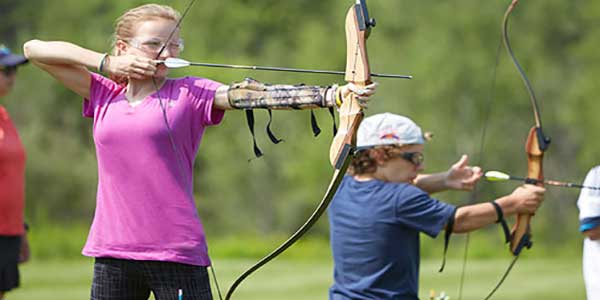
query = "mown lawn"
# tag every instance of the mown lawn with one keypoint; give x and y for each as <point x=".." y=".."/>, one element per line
<point x="548" y="279"/>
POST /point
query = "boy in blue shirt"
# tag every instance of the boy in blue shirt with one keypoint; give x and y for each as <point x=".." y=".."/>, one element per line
<point x="383" y="205"/>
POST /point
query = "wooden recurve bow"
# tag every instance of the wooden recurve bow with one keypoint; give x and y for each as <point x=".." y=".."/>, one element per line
<point x="537" y="143"/>
<point x="358" y="27"/>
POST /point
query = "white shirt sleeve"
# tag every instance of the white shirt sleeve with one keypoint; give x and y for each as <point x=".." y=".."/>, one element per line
<point x="589" y="212"/>
<point x="589" y="200"/>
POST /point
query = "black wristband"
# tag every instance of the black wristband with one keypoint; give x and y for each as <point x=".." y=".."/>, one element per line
<point x="26" y="226"/>
<point x="500" y="216"/>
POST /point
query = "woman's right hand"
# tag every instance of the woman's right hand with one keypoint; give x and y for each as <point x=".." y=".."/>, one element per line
<point x="131" y="66"/>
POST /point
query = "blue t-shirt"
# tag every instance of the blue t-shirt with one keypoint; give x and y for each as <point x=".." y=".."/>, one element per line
<point x="374" y="227"/>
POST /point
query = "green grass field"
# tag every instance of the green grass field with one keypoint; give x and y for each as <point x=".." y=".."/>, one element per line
<point x="547" y="279"/>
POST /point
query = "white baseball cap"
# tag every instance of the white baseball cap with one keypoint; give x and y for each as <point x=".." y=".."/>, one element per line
<point x="388" y="129"/>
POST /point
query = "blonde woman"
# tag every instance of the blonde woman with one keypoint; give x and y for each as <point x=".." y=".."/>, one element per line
<point x="146" y="235"/>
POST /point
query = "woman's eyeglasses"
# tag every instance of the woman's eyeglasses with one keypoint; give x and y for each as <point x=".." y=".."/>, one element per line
<point x="156" y="45"/>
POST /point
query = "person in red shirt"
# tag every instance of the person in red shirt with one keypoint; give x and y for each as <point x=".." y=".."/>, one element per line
<point x="14" y="247"/>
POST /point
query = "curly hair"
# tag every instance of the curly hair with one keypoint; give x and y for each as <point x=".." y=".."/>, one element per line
<point x="364" y="160"/>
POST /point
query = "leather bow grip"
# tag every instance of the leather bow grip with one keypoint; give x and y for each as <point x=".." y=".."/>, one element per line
<point x="521" y="233"/>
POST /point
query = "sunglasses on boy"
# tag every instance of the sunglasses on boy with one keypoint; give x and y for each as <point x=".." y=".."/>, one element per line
<point x="416" y="158"/>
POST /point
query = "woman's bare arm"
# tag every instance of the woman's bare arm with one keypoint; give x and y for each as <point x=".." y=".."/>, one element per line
<point x="66" y="62"/>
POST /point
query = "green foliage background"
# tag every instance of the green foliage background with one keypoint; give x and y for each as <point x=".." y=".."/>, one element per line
<point x="449" y="46"/>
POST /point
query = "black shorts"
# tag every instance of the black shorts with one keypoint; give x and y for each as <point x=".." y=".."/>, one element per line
<point x="10" y="246"/>
<point x="120" y="279"/>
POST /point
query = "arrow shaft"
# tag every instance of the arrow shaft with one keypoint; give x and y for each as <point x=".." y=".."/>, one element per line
<point x="278" y="69"/>
<point x="554" y="183"/>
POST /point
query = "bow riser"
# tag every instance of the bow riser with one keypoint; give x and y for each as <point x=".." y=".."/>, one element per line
<point x="357" y="72"/>
<point x="521" y="234"/>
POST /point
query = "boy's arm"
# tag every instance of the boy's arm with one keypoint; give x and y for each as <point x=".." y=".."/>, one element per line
<point x="460" y="176"/>
<point x="431" y="183"/>
<point x="524" y="199"/>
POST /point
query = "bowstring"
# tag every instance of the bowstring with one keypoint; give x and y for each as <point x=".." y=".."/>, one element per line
<point x="473" y="197"/>
<point x="169" y="130"/>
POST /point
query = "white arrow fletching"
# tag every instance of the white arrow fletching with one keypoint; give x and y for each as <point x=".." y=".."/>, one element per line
<point x="496" y="176"/>
<point x="174" y="63"/>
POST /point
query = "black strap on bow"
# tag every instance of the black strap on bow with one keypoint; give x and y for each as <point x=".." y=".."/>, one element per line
<point x="273" y="138"/>
<point x="313" y="124"/>
<point x="332" y="113"/>
<point x="447" y="234"/>
<point x="250" y="121"/>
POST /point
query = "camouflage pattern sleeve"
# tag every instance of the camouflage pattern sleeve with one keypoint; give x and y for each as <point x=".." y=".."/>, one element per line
<point x="251" y="94"/>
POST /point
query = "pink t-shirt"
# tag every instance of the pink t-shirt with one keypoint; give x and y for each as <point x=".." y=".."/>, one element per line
<point x="145" y="208"/>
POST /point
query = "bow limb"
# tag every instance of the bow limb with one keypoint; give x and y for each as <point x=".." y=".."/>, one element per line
<point x="537" y="143"/>
<point x="357" y="72"/>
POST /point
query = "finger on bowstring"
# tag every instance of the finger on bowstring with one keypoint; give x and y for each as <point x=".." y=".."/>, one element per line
<point x="150" y="67"/>
<point x="142" y="61"/>
<point x="147" y="71"/>
<point x="137" y="76"/>
<point x="139" y="71"/>
<point x="144" y="65"/>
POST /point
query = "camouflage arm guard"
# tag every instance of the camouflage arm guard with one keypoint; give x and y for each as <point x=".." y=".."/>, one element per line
<point x="251" y="94"/>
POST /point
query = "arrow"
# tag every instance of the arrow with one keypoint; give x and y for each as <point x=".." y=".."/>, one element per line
<point x="175" y="63"/>
<point x="500" y="176"/>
